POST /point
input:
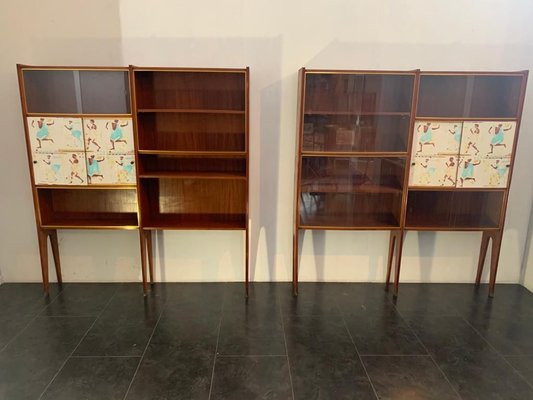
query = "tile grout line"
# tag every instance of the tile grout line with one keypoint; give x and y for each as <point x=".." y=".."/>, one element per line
<point x="141" y="358"/>
<point x="218" y="340"/>
<point x="249" y="355"/>
<point x="426" y="349"/>
<point x="498" y="353"/>
<point x="78" y="345"/>
<point x="105" y="356"/>
<point x="37" y="315"/>
<point x="355" y="347"/>
<point x="285" y="340"/>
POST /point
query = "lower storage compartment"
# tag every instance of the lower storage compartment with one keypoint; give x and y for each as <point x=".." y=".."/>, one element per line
<point x="461" y="209"/>
<point x="350" y="210"/>
<point x="88" y="207"/>
<point x="175" y="203"/>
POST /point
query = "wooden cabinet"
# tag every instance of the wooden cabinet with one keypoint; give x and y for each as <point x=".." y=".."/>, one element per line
<point x="81" y="151"/>
<point x="353" y="143"/>
<point x="451" y="135"/>
<point x="192" y="135"/>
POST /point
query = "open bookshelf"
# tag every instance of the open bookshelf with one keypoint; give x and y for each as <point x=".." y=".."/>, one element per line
<point x="192" y="136"/>
<point x="352" y="148"/>
<point x="464" y="141"/>
<point x="80" y="145"/>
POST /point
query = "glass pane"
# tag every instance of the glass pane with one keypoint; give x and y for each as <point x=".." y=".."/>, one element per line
<point x="345" y="192"/>
<point x="495" y="96"/>
<point x="358" y="93"/>
<point x="190" y="90"/>
<point x="51" y="91"/>
<point x="105" y="92"/>
<point x="454" y="209"/>
<point x="472" y="96"/>
<point x="378" y="133"/>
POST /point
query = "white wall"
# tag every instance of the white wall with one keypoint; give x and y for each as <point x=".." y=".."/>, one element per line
<point x="275" y="38"/>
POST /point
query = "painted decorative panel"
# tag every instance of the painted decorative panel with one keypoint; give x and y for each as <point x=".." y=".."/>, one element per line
<point x="109" y="136"/>
<point x="110" y="169"/>
<point x="433" y="171"/>
<point x="488" y="138"/>
<point x="436" y="138"/>
<point x="66" y="168"/>
<point x="55" y="134"/>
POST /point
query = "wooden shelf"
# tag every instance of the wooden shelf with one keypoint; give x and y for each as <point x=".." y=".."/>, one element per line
<point x="83" y="187"/>
<point x="192" y="175"/>
<point x="352" y="154"/>
<point x="315" y="186"/>
<point x="442" y="222"/>
<point x="452" y="189"/>
<point x="91" y="221"/>
<point x="349" y="221"/>
<point x="361" y="113"/>
<point x="189" y="111"/>
<point x="195" y="221"/>
<point x="214" y="154"/>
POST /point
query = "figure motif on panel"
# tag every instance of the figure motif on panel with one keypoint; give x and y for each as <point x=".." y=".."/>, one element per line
<point x="125" y="171"/>
<point x="92" y="134"/>
<point x="75" y="133"/>
<point x="75" y="168"/>
<point x="499" y="136"/>
<point x="52" y="172"/>
<point x="468" y="172"/>
<point x="427" y="135"/>
<point x="473" y="139"/>
<point x="456" y="132"/>
<point x="450" y="172"/>
<point x="498" y="175"/>
<point x="93" y="168"/>
<point x="42" y="134"/>
<point x="116" y="132"/>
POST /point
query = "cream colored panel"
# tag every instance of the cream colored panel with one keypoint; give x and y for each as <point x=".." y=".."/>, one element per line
<point x="488" y="138"/>
<point x="59" y="168"/>
<point x="433" y="171"/>
<point x="436" y="138"/>
<point x="109" y="135"/>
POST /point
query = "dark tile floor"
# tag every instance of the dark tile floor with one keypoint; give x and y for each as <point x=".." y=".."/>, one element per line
<point x="205" y="341"/>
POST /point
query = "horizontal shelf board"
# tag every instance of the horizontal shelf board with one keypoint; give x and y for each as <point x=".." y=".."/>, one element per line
<point x="473" y="73"/>
<point x="118" y="221"/>
<point x="216" y="154"/>
<point x="361" y="113"/>
<point x="449" y="229"/>
<point x="192" y="175"/>
<point x="189" y="111"/>
<point x="195" y="222"/>
<point x="461" y="119"/>
<point x="85" y="187"/>
<point x="349" y="221"/>
<point x="434" y="222"/>
<point x="353" y="154"/>
<point x="79" y="115"/>
<point x="25" y="67"/>
<point x="452" y="189"/>
<point x="346" y="188"/>
<point x="189" y="69"/>
<point x="358" y="72"/>
<point x="349" y="228"/>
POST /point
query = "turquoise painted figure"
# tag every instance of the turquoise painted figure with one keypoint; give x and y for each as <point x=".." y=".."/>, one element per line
<point x="93" y="168"/>
<point x="116" y="132"/>
<point x="42" y="131"/>
<point x="427" y="135"/>
<point x="456" y="132"/>
<point x="76" y="133"/>
<point x="125" y="171"/>
<point x="499" y="136"/>
<point x="468" y="171"/>
<point x="499" y="172"/>
<point x="54" y="168"/>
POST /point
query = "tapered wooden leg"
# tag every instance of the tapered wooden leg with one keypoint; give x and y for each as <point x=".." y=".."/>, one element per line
<point x="399" y="248"/>
<point x="247" y="262"/>
<point x="494" y="258"/>
<point x="55" y="252"/>
<point x="142" y="239"/>
<point x="149" y="248"/>
<point x="295" y="262"/>
<point x="392" y="241"/>
<point x="485" y="239"/>
<point x="42" y="237"/>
